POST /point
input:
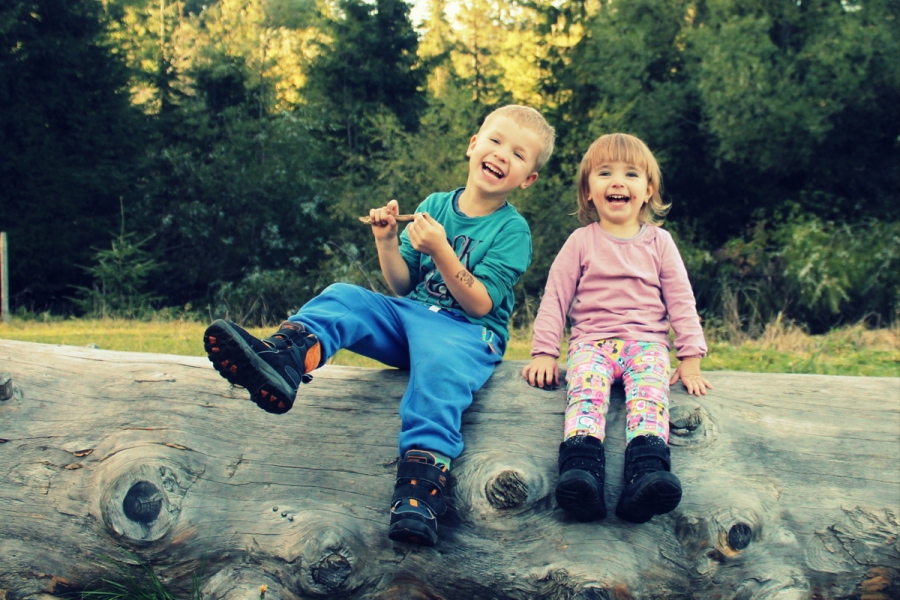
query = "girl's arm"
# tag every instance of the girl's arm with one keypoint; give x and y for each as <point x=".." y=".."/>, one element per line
<point x="690" y="345"/>
<point x="562" y="281"/>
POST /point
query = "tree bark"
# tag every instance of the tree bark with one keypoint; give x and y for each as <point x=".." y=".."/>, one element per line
<point x="791" y="488"/>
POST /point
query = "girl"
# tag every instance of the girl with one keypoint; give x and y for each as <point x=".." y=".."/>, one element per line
<point x="621" y="281"/>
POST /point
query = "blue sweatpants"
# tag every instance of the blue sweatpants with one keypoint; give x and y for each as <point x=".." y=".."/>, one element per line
<point x="446" y="355"/>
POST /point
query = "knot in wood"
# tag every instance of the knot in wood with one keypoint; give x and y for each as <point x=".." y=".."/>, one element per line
<point x="690" y="425"/>
<point x="6" y="387"/>
<point x="739" y="536"/>
<point x="142" y="503"/>
<point x="592" y="593"/>
<point x="332" y="571"/>
<point x="506" y="490"/>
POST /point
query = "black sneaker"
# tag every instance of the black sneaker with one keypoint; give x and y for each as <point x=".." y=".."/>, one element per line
<point x="582" y="465"/>
<point x="418" y="499"/>
<point x="650" y="489"/>
<point x="271" y="369"/>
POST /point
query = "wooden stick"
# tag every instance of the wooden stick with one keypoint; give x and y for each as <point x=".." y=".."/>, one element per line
<point x="399" y="218"/>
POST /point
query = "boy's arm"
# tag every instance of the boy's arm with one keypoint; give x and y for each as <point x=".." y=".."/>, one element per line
<point x="387" y="243"/>
<point x="428" y="236"/>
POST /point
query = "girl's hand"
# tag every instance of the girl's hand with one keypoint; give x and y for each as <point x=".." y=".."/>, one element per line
<point x="384" y="225"/>
<point x="542" y="371"/>
<point x="689" y="374"/>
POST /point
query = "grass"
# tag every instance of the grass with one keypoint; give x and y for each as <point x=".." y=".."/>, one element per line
<point x="136" y="580"/>
<point x="853" y="350"/>
<point x="783" y="348"/>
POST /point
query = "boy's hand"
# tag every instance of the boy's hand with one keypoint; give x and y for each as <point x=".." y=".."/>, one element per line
<point x="427" y="235"/>
<point x="689" y="374"/>
<point x="384" y="225"/>
<point x="542" y="371"/>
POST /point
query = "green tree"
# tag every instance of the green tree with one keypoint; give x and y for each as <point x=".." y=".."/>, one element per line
<point x="233" y="197"/>
<point x="368" y="64"/>
<point x="747" y="105"/>
<point x="802" y="97"/>
<point x="231" y="188"/>
<point x="120" y="276"/>
<point x="69" y="143"/>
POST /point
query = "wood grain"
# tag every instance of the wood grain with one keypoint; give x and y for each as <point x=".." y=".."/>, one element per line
<point x="791" y="488"/>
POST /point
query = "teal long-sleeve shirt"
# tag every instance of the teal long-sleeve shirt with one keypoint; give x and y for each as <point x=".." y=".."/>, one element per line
<point x="495" y="248"/>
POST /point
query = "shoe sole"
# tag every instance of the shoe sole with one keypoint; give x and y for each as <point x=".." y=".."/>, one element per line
<point x="412" y="531"/>
<point x="240" y="365"/>
<point x="656" y="494"/>
<point x="575" y="494"/>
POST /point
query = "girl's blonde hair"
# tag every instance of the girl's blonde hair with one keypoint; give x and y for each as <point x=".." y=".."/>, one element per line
<point x="621" y="147"/>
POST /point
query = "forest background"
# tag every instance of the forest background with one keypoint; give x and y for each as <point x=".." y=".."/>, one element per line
<point x="211" y="157"/>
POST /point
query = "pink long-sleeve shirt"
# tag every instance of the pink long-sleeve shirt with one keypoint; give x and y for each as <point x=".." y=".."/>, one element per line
<point x="612" y="288"/>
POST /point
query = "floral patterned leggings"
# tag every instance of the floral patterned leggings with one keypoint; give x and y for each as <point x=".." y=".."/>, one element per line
<point x="643" y="368"/>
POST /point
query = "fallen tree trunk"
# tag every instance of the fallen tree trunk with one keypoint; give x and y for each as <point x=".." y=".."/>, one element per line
<point x="792" y="488"/>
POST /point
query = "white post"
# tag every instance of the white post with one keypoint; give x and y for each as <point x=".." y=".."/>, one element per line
<point x="4" y="278"/>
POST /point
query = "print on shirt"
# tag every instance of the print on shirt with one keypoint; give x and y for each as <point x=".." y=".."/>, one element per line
<point x="463" y="246"/>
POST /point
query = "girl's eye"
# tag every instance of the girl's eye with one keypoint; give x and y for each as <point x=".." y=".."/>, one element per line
<point x="603" y="173"/>
<point x="495" y="140"/>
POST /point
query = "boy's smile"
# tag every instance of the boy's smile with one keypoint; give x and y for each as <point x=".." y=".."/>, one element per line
<point x="493" y="171"/>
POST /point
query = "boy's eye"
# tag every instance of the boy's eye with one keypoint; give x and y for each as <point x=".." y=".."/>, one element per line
<point x="495" y="140"/>
<point x="519" y="155"/>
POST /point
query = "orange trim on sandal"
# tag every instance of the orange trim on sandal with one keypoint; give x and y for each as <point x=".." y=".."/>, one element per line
<point x="313" y="358"/>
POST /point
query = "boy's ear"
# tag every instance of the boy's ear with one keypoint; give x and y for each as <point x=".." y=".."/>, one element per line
<point x="529" y="180"/>
<point x="471" y="145"/>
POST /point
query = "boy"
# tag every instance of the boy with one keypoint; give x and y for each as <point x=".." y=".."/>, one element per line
<point x="453" y="269"/>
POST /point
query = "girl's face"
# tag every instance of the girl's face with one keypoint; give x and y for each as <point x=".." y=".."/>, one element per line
<point x="619" y="191"/>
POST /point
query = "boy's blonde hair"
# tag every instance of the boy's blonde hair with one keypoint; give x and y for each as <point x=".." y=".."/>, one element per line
<point x="528" y="117"/>
<point x="621" y="147"/>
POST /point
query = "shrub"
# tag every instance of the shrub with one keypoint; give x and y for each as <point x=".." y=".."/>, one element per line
<point x="803" y="270"/>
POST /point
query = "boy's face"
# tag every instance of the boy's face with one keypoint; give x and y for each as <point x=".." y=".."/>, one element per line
<point x="502" y="157"/>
